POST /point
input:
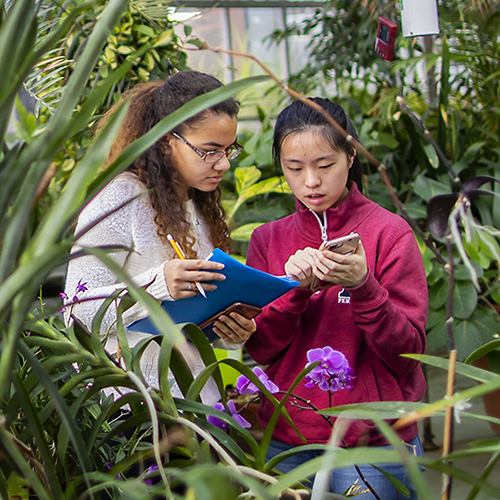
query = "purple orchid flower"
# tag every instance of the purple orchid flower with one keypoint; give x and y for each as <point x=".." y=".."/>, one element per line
<point x="332" y="373"/>
<point x="244" y="385"/>
<point x="63" y="296"/>
<point x="234" y="413"/>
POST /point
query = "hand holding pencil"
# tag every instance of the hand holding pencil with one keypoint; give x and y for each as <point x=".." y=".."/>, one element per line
<point x="183" y="275"/>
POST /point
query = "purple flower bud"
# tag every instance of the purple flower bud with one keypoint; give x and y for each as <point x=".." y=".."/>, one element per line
<point x="81" y="287"/>
<point x="244" y="385"/>
<point x="63" y="296"/>
<point x="75" y="299"/>
<point x="332" y="373"/>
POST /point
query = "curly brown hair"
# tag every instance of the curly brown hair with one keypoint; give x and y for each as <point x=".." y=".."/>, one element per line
<point x="149" y="103"/>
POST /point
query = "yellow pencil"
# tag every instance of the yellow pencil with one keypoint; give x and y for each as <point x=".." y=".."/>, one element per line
<point x="182" y="256"/>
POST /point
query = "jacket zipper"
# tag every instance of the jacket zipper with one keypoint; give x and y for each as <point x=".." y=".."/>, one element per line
<point x="323" y="225"/>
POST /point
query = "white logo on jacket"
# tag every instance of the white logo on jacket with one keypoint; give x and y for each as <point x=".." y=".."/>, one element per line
<point x="344" y="297"/>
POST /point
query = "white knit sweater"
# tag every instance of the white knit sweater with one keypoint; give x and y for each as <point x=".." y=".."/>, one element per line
<point x="133" y="227"/>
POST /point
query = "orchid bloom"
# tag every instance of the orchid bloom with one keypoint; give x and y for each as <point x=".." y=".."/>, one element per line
<point x="333" y="371"/>
<point x="244" y="385"/>
<point x="234" y="413"/>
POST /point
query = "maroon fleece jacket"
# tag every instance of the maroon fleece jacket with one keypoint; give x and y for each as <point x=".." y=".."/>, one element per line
<point x="372" y="325"/>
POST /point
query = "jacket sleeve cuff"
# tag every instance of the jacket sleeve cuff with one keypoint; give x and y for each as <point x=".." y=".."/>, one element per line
<point x="294" y="301"/>
<point x="367" y="295"/>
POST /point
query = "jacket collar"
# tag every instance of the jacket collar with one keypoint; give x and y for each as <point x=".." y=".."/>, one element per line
<point x="342" y="219"/>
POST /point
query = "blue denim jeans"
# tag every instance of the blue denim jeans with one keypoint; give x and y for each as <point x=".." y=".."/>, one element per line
<point x="343" y="478"/>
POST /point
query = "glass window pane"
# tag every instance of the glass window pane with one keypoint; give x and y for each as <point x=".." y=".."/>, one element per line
<point x="249" y="28"/>
<point x="297" y="44"/>
<point x="211" y="26"/>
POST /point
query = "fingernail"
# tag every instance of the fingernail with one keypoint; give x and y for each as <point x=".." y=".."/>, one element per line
<point x="220" y="266"/>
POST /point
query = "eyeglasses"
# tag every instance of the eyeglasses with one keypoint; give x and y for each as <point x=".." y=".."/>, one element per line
<point x="231" y="152"/>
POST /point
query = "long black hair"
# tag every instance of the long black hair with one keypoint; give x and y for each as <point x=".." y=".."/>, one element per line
<point x="299" y="117"/>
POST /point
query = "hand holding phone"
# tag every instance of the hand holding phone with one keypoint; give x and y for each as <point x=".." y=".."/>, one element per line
<point x="344" y="245"/>
<point x="246" y="310"/>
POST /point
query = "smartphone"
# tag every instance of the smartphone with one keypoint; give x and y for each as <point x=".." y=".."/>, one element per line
<point x="344" y="245"/>
<point x="246" y="310"/>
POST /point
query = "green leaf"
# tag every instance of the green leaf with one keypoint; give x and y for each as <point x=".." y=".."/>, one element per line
<point x="431" y="155"/>
<point x="464" y="299"/>
<point x="462" y="273"/>
<point x="144" y="29"/>
<point x="383" y="409"/>
<point x="165" y="38"/>
<point x="245" y="178"/>
<point x="463" y="369"/>
<point x="244" y="232"/>
<point x="428" y="188"/>
<point x="18" y="486"/>
<point x="200" y="44"/>
<point x="467" y="338"/>
<point x="124" y="50"/>
<point x="438" y="294"/>
<point x="271" y="185"/>
<point x="472" y="151"/>
<point x="388" y="140"/>
<point x="482" y="351"/>
<point x="437" y="336"/>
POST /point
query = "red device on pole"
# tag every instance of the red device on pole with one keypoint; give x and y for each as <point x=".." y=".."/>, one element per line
<point x="386" y="38"/>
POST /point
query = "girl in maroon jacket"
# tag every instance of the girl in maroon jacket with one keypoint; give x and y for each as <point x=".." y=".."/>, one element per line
<point x="372" y="305"/>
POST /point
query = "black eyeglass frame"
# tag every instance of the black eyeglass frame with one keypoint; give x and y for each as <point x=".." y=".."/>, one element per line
<point x="231" y="154"/>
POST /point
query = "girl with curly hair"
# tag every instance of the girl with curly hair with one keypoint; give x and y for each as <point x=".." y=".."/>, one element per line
<point x="173" y="188"/>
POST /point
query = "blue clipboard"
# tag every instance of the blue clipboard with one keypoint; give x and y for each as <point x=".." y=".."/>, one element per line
<point x="242" y="284"/>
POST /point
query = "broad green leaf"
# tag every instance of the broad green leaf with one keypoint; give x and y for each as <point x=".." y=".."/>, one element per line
<point x="388" y="140"/>
<point x="438" y="294"/>
<point x="145" y="30"/>
<point x="18" y="486"/>
<point x="435" y="317"/>
<point x="427" y="188"/>
<point x="271" y="185"/>
<point x="244" y="232"/>
<point x="437" y="336"/>
<point x="467" y="338"/>
<point x="472" y="151"/>
<point x="246" y="177"/>
<point x="464" y="299"/>
<point x="462" y="272"/>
